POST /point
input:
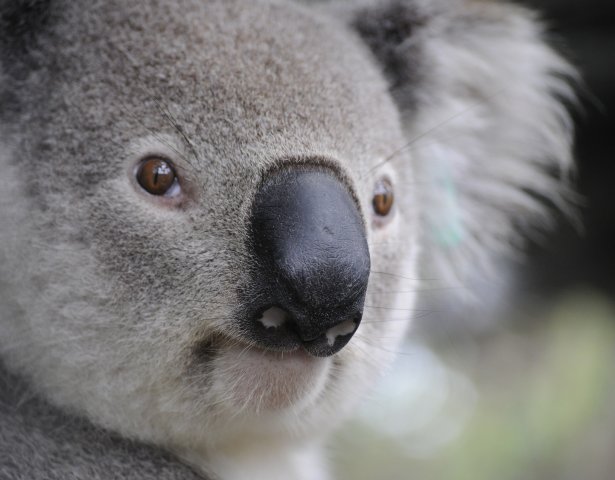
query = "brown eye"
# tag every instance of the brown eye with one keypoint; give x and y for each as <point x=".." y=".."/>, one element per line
<point x="383" y="198"/>
<point x="156" y="176"/>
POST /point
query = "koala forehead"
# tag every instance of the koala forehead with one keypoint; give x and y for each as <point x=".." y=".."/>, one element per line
<point x="272" y="80"/>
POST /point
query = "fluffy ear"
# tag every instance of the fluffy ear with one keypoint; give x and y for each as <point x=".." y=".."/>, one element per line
<point x="483" y="99"/>
<point x="23" y="24"/>
<point x="20" y="21"/>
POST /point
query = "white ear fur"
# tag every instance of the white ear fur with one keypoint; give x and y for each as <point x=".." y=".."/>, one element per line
<point x="490" y="136"/>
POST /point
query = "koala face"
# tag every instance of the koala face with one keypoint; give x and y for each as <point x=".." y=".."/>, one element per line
<point x="202" y="220"/>
<point x="211" y="216"/>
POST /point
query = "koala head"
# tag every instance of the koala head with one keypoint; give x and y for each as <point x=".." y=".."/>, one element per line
<point x="213" y="211"/>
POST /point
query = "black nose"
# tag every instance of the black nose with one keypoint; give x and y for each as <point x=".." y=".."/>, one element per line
<point x="312" y="262"/>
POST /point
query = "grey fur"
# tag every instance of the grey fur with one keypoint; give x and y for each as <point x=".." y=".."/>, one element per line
<point x="39" y="441"/>
<point x="109" y="298"/>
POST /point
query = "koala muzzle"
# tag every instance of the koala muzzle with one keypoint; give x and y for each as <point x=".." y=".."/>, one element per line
<point x="312" y="262"/>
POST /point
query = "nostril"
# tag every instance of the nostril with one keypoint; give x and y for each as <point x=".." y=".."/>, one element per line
<point x="340" y="330"/>
<point x="333" y="339"/>
<point x="281" y="330"/>
<point x="273" y="318"/>
<point x="274" y="329"/>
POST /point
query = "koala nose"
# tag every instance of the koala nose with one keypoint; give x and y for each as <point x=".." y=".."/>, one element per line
<point x="312" y="261"/>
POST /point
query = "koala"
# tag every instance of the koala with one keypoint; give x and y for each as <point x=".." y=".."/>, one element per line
<point x="216" y="214"/>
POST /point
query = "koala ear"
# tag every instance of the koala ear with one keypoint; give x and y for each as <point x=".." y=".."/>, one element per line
<point x="20" y="22"/>
<point x="22" y="26"/>
<point x="19" y="17"/>
<point x="482" y="97"/>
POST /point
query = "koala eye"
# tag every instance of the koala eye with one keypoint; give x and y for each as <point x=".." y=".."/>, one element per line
<point x="383" y="198"/>
<point x="157" y="176"/>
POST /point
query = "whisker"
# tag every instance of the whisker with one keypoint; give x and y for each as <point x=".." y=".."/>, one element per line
<point x="415" y="279"/>
<point x="421" y="290"/>
<point x="166" y="113"/>
<point x="427" y="132"/>
<point x="378" y="307"/>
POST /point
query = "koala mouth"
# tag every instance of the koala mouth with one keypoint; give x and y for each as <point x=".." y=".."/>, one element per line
<point x="259" y="379"/>
<point x="207" y="351"/>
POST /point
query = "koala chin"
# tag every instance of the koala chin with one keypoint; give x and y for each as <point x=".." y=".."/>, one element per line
<point x="215" y="215"/>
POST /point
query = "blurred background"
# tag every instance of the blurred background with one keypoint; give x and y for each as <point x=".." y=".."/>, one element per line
<point x="531" y="395"/>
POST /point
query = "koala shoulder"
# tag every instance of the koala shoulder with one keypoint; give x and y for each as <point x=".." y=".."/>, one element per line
<point x="38" y="441"/>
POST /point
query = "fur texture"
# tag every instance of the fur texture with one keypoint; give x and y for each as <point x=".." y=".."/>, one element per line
<point x="40" y="441"/>
<point x="120" y="308"/>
